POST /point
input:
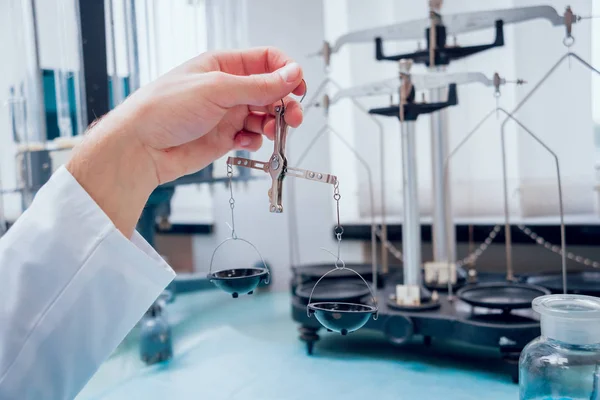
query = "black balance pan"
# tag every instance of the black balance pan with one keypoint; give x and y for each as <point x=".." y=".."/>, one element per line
<point x="501" y="295"/>
<point x="343" y="290"/>
<point x="308" y="272"/>
<point x="578" y="282"/>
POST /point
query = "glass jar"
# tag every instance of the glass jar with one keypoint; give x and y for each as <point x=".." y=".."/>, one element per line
<point x="564" y="362"/>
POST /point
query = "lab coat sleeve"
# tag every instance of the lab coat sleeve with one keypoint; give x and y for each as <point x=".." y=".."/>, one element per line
<point x="71" y="288"/>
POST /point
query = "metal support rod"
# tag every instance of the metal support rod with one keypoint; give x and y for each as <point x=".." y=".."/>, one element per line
<point x="384" y="232"/>
<point x="411" y="228"/>
<point x="507" y="232"/>
<point x="560" y="197"/>
<point x="443" y="235"/>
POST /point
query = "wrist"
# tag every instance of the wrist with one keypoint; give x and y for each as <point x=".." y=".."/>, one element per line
<point x="115" y="169"/>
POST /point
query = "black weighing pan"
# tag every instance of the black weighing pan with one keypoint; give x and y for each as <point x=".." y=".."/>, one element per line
<point x="578" y="282"/>
<point x="346" y="290"/>
<point x="313" y="272"/>
<point x="501" y="295"/>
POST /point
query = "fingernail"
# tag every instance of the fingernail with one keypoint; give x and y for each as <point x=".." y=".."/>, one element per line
<point x="290" y="72"/>
<point x="245" y="141"/>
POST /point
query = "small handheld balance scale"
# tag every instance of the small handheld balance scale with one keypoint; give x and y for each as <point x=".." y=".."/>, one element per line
<point x="339" y="317"/>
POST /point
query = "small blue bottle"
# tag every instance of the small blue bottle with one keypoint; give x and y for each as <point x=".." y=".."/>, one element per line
<point x="564" y="362"/>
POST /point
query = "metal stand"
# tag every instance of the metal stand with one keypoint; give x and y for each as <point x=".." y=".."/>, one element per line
<point x="411" y="226"/>
<point x="443" y="232"/>
<point x="410" y="293"/>
<point x="436" y="56"/>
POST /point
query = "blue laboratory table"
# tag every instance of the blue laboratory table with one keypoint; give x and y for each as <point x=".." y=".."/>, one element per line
<point x="248" y="349"/>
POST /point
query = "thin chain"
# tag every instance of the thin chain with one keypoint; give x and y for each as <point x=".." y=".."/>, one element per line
<point x="472" y="258"/>
<point x="339" y="230"/>
<point x="557" y="249"/>
<point x="389" y="246"/>
<point x="231" y="199"/>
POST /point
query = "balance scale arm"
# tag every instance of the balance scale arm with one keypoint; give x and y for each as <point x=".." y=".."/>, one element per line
<point x="455" y="24"/>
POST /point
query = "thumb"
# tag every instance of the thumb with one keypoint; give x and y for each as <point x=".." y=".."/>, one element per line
<point x="259" y="90"/>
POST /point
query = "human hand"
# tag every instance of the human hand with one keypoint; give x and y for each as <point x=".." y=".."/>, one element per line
<point x="182" y="122"/>
<point x="212" y="104"/>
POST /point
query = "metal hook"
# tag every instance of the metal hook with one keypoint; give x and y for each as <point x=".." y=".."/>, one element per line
<point x="282" y="107"/>
<point x="305" y="91"/>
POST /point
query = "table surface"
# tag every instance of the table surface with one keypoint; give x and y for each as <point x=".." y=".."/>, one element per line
<point x="248" y="348"/>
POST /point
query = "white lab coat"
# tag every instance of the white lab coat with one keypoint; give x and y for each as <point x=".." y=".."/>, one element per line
<point x="71" y="287"/>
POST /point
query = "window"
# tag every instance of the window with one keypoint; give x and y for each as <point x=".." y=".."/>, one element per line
<point x="168" y="33"/>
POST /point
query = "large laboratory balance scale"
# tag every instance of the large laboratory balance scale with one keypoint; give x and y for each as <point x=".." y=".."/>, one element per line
<point x="491" y="310"/>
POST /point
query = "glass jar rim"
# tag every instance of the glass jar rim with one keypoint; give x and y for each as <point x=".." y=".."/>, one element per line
<point x="568" y="306"/>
